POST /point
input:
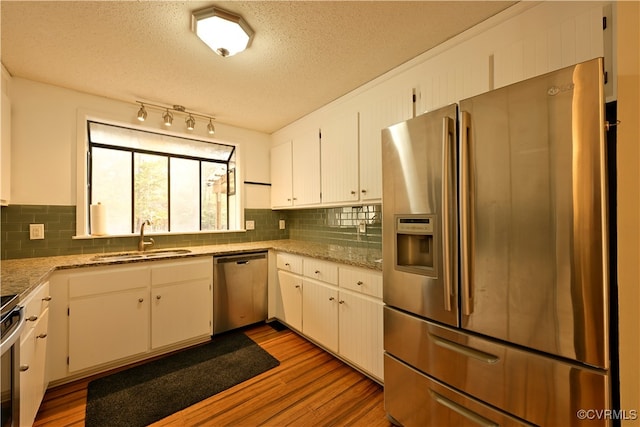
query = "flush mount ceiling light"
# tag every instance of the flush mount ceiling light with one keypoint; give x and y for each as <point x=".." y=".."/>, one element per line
<point x="224" y="32"/>
<point x="167" y="116"/>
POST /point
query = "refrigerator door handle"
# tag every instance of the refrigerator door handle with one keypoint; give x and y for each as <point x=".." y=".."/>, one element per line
<point x="447" y="140"/>
<point x="465" y="173"/>
<point x="467" y="413"/>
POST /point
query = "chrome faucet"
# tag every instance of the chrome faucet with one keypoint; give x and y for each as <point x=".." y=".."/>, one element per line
<point x="142" y="244"/>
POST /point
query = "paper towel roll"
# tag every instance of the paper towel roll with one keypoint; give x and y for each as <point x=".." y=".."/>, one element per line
<point x="98" y="220"/>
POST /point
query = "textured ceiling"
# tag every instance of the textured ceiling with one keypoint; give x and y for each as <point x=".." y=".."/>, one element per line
<point x="303" y="56"/>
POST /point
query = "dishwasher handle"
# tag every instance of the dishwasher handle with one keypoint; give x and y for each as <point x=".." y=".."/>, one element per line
<point x="240" y="259"/>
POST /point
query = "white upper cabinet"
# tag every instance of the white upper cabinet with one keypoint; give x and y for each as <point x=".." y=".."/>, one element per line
<point x="281" y="175"/>
<point x="306" y="168"/>
<point x="392" y="106"/>
<point x="295" y="171"/>
<point x="339" y="158"/>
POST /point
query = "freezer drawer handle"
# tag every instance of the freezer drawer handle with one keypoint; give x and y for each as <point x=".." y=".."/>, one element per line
<point x="470" y="415"/>
<point x="464" y="350"/>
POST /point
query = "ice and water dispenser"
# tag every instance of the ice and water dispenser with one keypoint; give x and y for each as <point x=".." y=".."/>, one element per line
<point x="415" y="244"/>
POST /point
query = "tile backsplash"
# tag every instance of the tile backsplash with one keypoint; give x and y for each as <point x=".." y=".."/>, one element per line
<point x="60" y="226"/>
<point x="359" y="226"/>
<point x="341" y="226"/>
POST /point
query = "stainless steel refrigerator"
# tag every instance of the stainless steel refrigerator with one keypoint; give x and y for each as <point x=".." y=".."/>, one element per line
<point x="495" y="259"/>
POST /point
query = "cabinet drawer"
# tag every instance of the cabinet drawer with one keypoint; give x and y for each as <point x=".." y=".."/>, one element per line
<point x="181" y="271"/>
<point x="361" y="280"/>
<point x="110" y="279"/>
<point x="324" y="271"/>
<point x="289" y="262"/>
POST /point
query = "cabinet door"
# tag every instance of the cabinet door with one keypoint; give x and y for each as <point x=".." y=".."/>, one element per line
<point x="289" y="300"/>
<point x="390" y="108"/>
<point x="306" y="168"/>
<point x="281" y="175"/>
<point x="28" y="380"/>
<point x="180" y="312"/>
<point x="320" y="314"/>
<point x="339" y="159"/>
<point x="107" y="327"/>
<point x="361" y="334"/>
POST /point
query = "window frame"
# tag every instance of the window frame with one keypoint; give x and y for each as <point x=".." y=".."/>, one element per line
<point x="235" y="203"/>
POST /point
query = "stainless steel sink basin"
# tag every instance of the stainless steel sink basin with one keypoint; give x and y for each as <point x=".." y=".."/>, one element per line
<point x="166" y="252"/>
<point x="116" y="257"/>
<point x="139" y="255"/>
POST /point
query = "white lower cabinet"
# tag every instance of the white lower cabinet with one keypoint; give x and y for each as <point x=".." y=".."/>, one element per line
<point x="109" y="316"/>
<point x="320" y="314"/>
<point x="289" y="299"/>
<point x="361" y="337"/>
<point x="336" y="306"/>
<point x="181" y="301"/>
<point x="33" y="354"/>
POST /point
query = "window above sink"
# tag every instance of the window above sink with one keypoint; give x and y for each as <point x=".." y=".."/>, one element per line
<point x="180" y="182"/>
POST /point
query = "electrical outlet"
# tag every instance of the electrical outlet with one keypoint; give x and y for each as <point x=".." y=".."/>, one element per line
<point x="281" y="224"/>
<point x="250" y="225"/>
<point x="36" y="231"/>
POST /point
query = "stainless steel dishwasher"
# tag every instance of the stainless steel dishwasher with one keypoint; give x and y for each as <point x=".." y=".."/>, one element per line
<point x="239" y="290"/>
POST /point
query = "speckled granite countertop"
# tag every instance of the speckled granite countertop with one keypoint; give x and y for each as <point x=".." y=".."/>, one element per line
<point x="20" y="276"/>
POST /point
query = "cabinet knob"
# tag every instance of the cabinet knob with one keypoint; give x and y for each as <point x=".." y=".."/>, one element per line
<point x="331" y="298"/>
<point x="317" y="271"/>
<point x="32" y="318"/>
<point x="24" y="368"/>
<point x="288" y="200"/>
<point x="364" y="191"/>
<point x="42" y="335"/>
<point x="47" y="298"/>
<point x="297" y="286"/>
<point x="295" y="198"/>
<point x="341" y="302"/>
<point x="287" y="264"/>
<point x="158" y="296"/>
<point x="140" y="299"/>
<point x="353" y="193"/>
<point x="359" y="283"/>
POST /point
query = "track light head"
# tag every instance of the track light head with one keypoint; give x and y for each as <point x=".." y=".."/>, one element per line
<point x="191" y="122"/>
<point x="168" y="118"/>
<point x="142" y="113"/>
<point x="211" y="128"/>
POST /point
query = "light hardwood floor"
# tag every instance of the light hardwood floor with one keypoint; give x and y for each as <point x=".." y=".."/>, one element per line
<point x="309" y="388"/>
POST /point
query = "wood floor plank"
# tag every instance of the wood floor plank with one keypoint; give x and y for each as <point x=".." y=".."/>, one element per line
<point x="310" y="387"/>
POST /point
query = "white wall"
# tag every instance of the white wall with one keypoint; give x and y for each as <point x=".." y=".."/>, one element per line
<point x="44" y="142"/>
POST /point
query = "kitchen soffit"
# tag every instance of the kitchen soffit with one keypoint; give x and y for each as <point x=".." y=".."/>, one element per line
<point x="303" y="56"/>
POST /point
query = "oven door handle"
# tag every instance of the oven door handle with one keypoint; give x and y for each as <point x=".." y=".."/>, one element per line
<point x="8" y="342"/>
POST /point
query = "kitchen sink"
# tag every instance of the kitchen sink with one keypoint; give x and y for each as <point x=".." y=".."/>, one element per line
<point x="166" y="252"/>
<point x="139" y="255"/>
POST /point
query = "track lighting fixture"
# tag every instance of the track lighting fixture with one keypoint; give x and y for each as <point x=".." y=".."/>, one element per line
<point x="191" y="122"/>
<point x="168" y="118"/>
<point x="142" y="113"/>
<point x="169" y="112"/>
